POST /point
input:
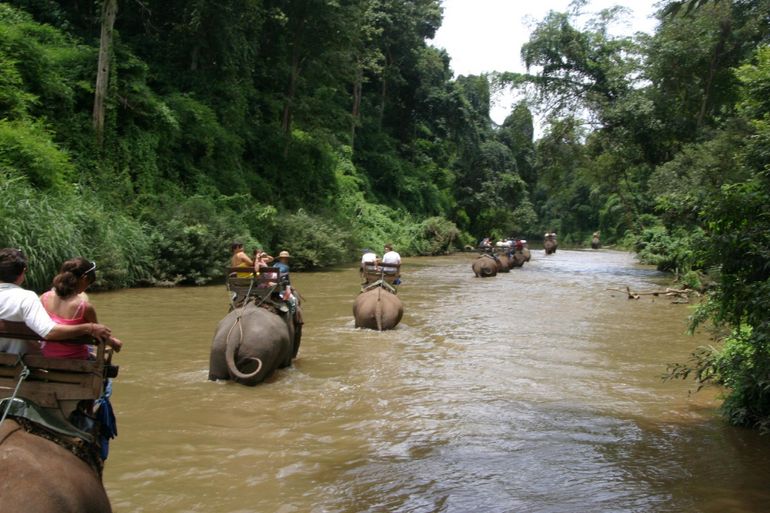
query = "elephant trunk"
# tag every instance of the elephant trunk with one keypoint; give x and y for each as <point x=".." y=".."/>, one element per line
<point x="232" y="345"/>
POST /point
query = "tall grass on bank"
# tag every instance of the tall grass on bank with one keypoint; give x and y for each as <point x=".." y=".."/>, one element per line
<point x="53" y="227"/>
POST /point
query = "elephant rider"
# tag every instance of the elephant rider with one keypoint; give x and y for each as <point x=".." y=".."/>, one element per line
<point x="368" y="264"/>
<point x="393" y="258"/>
<point x="21" y="305"/>
<point x="261" y="260"/>
<point x="240" y="259"/>
<point x="283" y="277"/>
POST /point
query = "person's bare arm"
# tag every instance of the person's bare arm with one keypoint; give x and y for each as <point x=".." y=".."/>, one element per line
<point x="70" y="331"/>
<point x="243" y="257"/>
<point x="90" y="315"/>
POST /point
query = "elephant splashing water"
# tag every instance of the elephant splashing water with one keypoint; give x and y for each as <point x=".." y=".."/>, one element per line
<point x="251" y="342"/>
<point x="377" y="309"/>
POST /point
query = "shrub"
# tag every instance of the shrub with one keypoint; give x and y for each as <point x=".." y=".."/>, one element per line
<point x="741" y="367"/>
<point x="312" y="241"/>
<point x="28" y="148"/>
<point x="433" y="236"/>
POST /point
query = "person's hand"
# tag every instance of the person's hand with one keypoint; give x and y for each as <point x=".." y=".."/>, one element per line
<point x="100" y="332"/>
<point x="115" y="344"/>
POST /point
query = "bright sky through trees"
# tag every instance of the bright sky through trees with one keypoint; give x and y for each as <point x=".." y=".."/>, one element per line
<point x="486" y="35"/>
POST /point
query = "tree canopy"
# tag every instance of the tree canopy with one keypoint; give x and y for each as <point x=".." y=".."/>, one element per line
<point x="149" y="135"/>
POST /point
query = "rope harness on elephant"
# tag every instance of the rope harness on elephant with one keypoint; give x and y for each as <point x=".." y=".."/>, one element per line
<point x="382" y="284"/>
<point x="24" y="374"/>
<point x="9" y="433"/>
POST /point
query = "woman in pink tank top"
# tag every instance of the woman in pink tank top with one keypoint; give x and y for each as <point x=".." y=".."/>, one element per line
<point x="67" y="303"/>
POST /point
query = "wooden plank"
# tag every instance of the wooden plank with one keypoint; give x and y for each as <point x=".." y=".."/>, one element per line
<point x="63" y="364"/>
<point x="58" y="377"/>
<point x="44" y="398"/>
<point x="46" y="394"/>
<point x="11" y="329"/>
<point x="50" y="376"/>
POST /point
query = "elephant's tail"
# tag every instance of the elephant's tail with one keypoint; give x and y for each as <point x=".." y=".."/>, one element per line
<point x="378" y="310"/>
<point x="230" y="353"/>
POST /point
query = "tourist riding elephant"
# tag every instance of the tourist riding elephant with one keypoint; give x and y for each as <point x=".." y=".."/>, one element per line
<point x="39" y="475"/>
<point x="251" y="342"/>
<point x="377" y="309"/>
<point x="595" y="241"/>
<point x="485" y="266"/>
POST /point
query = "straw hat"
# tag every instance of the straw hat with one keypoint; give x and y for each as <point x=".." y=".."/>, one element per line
<point x="284" y="254"/>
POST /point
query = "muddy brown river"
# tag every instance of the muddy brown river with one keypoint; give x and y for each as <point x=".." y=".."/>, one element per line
<point x="534" y="391"/>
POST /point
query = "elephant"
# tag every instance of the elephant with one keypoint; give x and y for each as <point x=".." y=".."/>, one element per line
<point x="550" y="244"/>
<point x="251" y="342"/>
<point x="504" y="262"/>
<point x="518" y="258"/>
<point x="526" y="253"/>
<point x="378" y="309"/>
<point x="39" y="475"/>
<point x="485" y="266"/>
<point x="595" y="241"/>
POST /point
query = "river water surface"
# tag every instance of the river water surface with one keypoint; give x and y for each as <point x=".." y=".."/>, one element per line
<point x="534" y="391"/>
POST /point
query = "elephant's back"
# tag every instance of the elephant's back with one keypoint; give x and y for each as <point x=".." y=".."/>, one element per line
<point x="30" y="461"/>
<point x="370" y="304"/>
<point x="484" y="266"/>
<point x="253" y="315"/>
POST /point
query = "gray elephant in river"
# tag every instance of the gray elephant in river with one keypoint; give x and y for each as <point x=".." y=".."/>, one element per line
<point x="518" y="258"/>
<point x="504" y="262"/>
<point x="549" y="243"/>
<point x="251" y="342"/>
<point x="39" y="475"/>
<point x="377" y="309"/>
<point x="485" y="266"/>
<point x="595" y="241"/>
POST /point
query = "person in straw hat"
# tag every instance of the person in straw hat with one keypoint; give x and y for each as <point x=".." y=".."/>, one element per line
<point x="283" y="268"/>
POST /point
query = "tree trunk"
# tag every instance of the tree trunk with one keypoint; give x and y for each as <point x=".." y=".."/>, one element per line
<point x="384" y="89"/>
<point x="109" y="11"/>
<point x="291" y="93"/>
<point x="356" y="111"/>
<point x="724" y="34"/>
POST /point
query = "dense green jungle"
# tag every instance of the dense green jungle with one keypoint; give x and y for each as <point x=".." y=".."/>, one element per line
<point x="148" y="135"/>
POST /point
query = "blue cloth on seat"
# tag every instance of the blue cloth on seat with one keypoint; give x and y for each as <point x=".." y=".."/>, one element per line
<point x="106" y="417"/>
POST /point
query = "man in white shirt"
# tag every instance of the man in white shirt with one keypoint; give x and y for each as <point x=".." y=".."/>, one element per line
<point x="369" y="260"/>
<point x="391" y="257"/>
<point x="21" y="305"/>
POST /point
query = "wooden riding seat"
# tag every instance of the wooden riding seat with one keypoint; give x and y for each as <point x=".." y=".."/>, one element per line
<point x="259" y="286"/>
<point x="385" y="272"/>
<point x="51" y="380"/>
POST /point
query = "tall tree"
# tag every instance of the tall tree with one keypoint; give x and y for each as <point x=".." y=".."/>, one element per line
<point x="109" y="12"/>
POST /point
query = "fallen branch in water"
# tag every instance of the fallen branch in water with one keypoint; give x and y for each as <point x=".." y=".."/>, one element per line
<point x="668" y="292"/>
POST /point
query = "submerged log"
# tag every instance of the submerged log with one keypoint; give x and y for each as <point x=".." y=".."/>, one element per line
<point x="677" y="294"/>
